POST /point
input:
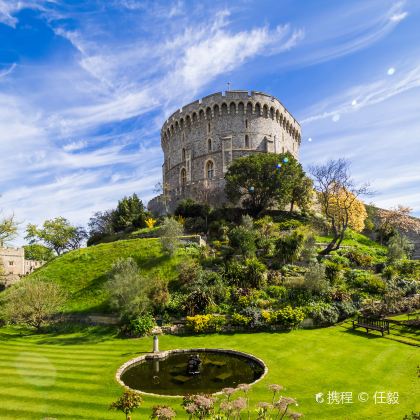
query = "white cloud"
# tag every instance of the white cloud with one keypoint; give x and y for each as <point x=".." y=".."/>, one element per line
<point x="336" y="117"/>
<point x="398" y="17"/>
<point x="381" y="141"/>
<point x="6" y="12"/>
<point x="390" y="71"/>
<point x="74" y="146"/>
<point x="7" y="71"/>
<point x="367" y="95"/>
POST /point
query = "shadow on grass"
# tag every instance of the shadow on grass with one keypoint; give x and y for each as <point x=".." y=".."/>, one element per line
<point x="68" y="334"/>
<point x="370" y="335"/>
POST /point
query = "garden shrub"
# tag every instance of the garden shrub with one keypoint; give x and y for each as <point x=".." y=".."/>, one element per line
<point x="315" y="280"/>
<point x="189" y="273"/>
<point x="252" y="273"/>
<point x="289" y="224"/>
<point x="205" y="323"/>
<point x="339" y="259"/>
<point x="242" y="240"/>
<point x="333" y="271"/>
<point x="140" y="326"/>
<point x="409" y="268"/>
<point x="408" y="287"/>
<point x="345" y="309"/>
<point x="255" y="272"/>
<point x="240" y="320"/>
<point x="256" y="320"/>
<point x="322" y="313"/>
<point x="276" y="292"/>
<point x="389" y="272"/>
<point x="288" y="317"/>
<point x="192" y="209"/>
<point x="195" y="225"/>
<point x="289" y="247"/>
<point x="359" y="259"/>
<point x="366" y="281"/>
<point x="274" y="278"/>
<point x="217" y="229"/>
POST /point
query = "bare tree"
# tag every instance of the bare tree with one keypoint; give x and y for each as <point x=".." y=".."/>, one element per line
<point x="338" y="197"/>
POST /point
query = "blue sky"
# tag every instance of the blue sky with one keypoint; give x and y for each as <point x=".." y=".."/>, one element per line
<point x="86" y="85"/>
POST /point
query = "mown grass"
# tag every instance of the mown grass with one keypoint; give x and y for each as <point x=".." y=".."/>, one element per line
<point x="71" y="376"/>
<point x="83" y="273"/>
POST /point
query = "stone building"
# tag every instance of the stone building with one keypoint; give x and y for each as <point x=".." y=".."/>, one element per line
<point x="14" y="265"/>
<point x="201" y="139"/>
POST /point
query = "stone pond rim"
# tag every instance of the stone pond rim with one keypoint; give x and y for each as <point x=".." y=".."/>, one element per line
<point x="164" y="355"/>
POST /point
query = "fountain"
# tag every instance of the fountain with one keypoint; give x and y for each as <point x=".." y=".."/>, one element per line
<point x="193" y="366"/>
<point x="190" y="371"/>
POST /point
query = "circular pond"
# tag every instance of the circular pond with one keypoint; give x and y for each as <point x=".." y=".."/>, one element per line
<point x="181" y="372"/>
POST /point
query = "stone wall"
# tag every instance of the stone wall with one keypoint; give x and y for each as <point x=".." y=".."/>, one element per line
<point x="201" y="139"/>
<point x="15" y="266"/>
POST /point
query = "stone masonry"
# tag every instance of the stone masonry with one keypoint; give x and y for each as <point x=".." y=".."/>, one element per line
<point x="201" y="139"/>
<point x="14" y="265"/>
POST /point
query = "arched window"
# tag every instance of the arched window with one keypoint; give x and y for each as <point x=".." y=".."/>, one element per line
<point x="209" y="145"/>
<point x="210" y="169"/>
<point x="247" y="142"/>
<point x="183" y="155"/>
<point x="183" y="177"/>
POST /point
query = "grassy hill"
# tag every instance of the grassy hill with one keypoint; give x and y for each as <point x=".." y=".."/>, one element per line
<point x="83" y="273"/>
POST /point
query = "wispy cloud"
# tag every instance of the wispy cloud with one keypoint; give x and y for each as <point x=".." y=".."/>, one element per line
<point x="359" y="97"/>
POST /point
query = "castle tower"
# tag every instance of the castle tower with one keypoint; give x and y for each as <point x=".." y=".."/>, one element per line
<point x="201" y="139"/>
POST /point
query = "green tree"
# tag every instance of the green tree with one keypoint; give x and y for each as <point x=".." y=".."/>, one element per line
<point x="263" y="180"/>
<point x="399" y="247"/>
<point x="129" y="214"/>
<point x="38" y="252"/>
<point x="127" y="403"/>
<point x="56" y="234"/>
<point x="33" y="303"/>
<point x="128" y="290"/>
<point x="170" y="232"/>
<point x="8" y="229"/>
<point x="100" y="225"/>
<point x="302" y="191"/>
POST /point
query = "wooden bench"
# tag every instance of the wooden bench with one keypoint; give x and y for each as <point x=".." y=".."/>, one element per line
<point x="381" y="325"/>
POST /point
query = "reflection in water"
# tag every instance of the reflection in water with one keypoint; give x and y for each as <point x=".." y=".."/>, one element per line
<point x="172" y="375"/>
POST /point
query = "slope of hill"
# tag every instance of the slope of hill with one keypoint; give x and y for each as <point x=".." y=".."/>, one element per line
<point x="83" y="273"/>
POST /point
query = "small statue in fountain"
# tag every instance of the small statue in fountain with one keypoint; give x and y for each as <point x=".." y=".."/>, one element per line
<point x="193" y="366"/>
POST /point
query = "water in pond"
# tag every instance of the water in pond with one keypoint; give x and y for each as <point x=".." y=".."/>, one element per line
<point x="170" y="376"/>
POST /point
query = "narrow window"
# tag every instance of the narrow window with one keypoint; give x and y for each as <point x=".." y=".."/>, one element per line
<point x="210" y="169"/>
<point x="183" y="177"/>
<point x="183" y="155"/>
<point x="247" y="142"/>
<point x="209" y="145"/>
<point x="246" y="123"/>
<point x="208" y="127"/>
<point x="10" y="262"/>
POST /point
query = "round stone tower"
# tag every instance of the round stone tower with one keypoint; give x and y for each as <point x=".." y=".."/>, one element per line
<point x="201" y="139"/>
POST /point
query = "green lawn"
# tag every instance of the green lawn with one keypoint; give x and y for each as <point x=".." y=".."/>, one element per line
<point x="71" y="376"/>
<point x="83" y="273"/>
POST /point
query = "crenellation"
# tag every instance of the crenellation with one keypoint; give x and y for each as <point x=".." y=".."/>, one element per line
<point x="217" y="129"/>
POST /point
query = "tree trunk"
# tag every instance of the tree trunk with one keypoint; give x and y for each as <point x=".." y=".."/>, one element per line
<point x="292" y="204"/>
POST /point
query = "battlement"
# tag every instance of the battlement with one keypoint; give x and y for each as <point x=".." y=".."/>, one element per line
<point x="226" y="97"/>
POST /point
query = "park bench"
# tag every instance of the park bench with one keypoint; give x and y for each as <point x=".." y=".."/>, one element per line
<point x="381" y="325"/>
